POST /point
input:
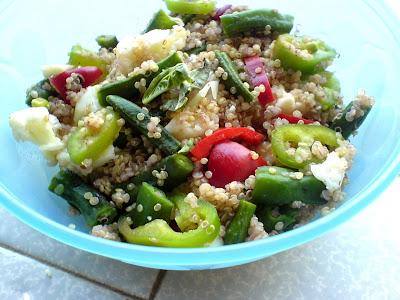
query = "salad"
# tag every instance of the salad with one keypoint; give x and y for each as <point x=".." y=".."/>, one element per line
<point x="214" y="126"/>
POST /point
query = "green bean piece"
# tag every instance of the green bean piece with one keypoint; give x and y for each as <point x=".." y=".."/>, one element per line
<point x="43" y="89"/>
<point x="186" y="18"/>
<point x="79" y="194"/>
<point x="151" y="204"/>
<point x="286" y="217"/>
<point x="256" y="21"/>
<point x="233" y="83"/>
<point x="107" y="41"/>
<point x="122" y="140"/>
<point x="238" y="228"/>
<point x="348" y="127"/>
<point x="176" y="169"/>
<point x="197" y="50"/>
<point x="126" y="87"/>
<point x="139" y="119"/>
<point x="160" y="21"/>
<point x="275" y="186"/>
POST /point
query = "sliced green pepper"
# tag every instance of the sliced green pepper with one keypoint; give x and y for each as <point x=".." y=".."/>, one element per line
<point x="83" y="57"/>
<point x="160" y="21"/>
<point x="158" y="233"/>
<point x="301" y="53"/>
<point x="328" y="100"/>
<point x="256" y="20"/>
<point x="151" y="204"/>
<point x="90" y="140"/>
<point x="331" y="86"/>
<point x="291" y="143"/>
<point x="332" y="82"/>
<point x="274" y="186"/>
<point x="198" y="7"/>
<point x="107" y="41"/>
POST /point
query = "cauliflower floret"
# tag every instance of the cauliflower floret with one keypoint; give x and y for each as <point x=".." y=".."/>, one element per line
<point x="331" y="171"/>
<point x="36" y="125"/>
<point x="187" y="124"/>
<point x="209" y="91"/>
<point x="153" y="45"/>
<point x="54" y="70"/>
<point x="287" y="103"/>
<point x="87" y="103"/>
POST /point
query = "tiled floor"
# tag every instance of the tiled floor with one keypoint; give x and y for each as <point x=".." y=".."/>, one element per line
<point x="360" y="259"/>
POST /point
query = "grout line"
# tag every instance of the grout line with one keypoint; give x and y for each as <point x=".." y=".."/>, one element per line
<point x="75" y="274"/>
<point x="157" y="284"/>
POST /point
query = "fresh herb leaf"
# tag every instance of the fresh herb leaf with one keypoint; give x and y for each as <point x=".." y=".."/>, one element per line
<point x="177" y="103"/>
<point x="166" y="80"/>
<point x="200" y="76"/>
<point x="198" y="79"/>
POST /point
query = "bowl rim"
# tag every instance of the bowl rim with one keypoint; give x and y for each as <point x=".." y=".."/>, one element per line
<point x="138" y="255"/>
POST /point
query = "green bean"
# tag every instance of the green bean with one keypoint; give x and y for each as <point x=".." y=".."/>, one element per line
<point x="233" y="83"/>
<point x="286" y="217"/>
<point x="347" y="128"/>
<point x="139" y="119"/>
<point x="186" y="18"/>
<point x="256" y="20"/>
<point x="197" y="50"/>
<point x="176" y="168"/>
<point x="238" y="228"/>
<point x="43" y="89"/>
<point x="78" y="194"/>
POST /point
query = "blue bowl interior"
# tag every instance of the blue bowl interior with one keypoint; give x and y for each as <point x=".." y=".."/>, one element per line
<point x="363" y="32"/>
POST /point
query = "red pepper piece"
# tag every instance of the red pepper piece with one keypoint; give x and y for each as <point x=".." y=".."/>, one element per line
<point x="256" y="70"/>
<point x="221" y="11"/>
<point x="88" y="76"/>
<point x="230" y="161"/>
<point x="203" y="148"/>
<point x="293" y="119"/>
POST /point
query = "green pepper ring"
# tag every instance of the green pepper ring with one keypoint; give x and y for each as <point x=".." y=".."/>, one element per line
<point x="298" y="133"/>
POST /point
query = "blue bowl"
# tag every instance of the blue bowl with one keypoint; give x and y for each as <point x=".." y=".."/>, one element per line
<point x="365" y="33"/>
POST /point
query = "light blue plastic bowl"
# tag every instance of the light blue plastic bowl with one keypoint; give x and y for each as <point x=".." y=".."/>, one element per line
<point x="34" y="33"/>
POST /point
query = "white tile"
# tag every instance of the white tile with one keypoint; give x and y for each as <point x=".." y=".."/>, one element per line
<point x="23" y="278"/>
<point x="128" y="278"/>
<point x="358" y="260"/>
